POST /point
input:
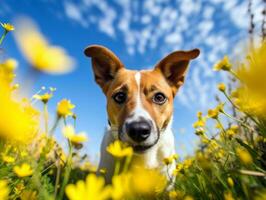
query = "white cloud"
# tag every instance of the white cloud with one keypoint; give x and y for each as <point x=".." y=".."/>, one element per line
<point x="164" y="26"/>
<point x="73" y="12"/>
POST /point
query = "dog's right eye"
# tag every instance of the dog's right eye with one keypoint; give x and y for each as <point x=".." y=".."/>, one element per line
<point x="120" y="97"/>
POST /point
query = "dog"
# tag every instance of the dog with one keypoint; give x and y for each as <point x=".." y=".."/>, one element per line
<point x="139" y="105"/>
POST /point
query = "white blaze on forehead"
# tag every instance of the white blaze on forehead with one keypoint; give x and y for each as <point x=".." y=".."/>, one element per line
<point x="139" y="111"/>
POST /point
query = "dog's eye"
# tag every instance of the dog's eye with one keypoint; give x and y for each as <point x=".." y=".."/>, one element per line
<point x="159" y="98"/>
<point x="120" y="97"/>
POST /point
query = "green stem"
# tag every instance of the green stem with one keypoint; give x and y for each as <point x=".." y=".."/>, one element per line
<point x="3" y="36"/>
<point x="117" y="167"/>
<point x="67" y="172"/>
<point x="234" y="74"/>
<point x="126" y="166"/>
<point x="58" y="171"/>
<point x="46" y="116"/>
<point x="239" y="121"/>
<point x="252" y="118"/>
<point x="55" y="125"/>
<point x="221" y="125"/>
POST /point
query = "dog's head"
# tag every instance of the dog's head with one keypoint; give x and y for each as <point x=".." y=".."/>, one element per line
<point x="139" y="103"/>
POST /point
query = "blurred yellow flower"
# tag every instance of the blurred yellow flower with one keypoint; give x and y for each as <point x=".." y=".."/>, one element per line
<point x="8" y="27"/>
<point x="38" y="52"/>
<point x="230" y="182"/>
<point x="187" y="163"/>
<point x="221" y="87"/>
<point x="244" y="155"/>
<point x="252" y="91"/>
<point x="44" y="97"/>
<point x="64" y="108"/>
<point x="119" y="149"/>
<point x="23" y="170"/>
<point x="213" y="113"/>
<point x="176" y="195"/>
<point x="69" y="133"/>
<point x="15" y="123"/>
<point x="228" y="196"/>
<point x="223" y="64"/>
<point x="9" y="64"/>
<point x="199" y="123"/>
<point x="147" y="181"/>
<point x="92" y="188"/>
<point x="121" y="188"/>
<point x="169" y="160"/>
<point x="177" y="169"/>
<point x="188" y="197"/>
<point x="28" y="195"/>
<point x="8" y="159"/>
<point x="172" y="195"/>
<point x="7" y="70"/>
<point x="4" y="190"/>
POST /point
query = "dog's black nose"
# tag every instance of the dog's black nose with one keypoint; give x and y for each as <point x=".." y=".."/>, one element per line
<point x="139" y="131"/>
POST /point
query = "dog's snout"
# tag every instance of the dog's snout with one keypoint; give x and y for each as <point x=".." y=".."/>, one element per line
<point x="139" y="131"/>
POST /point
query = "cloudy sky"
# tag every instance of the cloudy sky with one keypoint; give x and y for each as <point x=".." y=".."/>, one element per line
<point x="140" y="33"/>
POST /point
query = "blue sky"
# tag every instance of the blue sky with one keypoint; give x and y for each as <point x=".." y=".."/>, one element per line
<point x="140" y="33"/>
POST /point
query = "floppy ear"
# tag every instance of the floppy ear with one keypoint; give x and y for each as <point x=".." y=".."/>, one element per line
<point x="105" y="64"/>
<point x="174" y="67"/>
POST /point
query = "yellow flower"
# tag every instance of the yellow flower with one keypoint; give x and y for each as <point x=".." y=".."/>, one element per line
<point x="252" y="91"/>
<point x="92" y="188"/>
<point x="223" y="64"/>
<point x="9" y="64"/>
<point x="176" y="195"/>
<point x="172" y="195"/>
<point x="177" y="169"/>
<point x="28" y="194"/>
<point x="187" y="163"/>
<point x="121" y="186"/>
<point x="234" y="128"/>
<point x="38" y="52"/>
<point x="169" y="160"/>
<point x="119" y="149"/>
<point x="7" y="70"/>
<point x="221" y="87"/>
<point x="64" y="108"/>
<point x="44" y="97"/>
<point x="8" y="159"/>
<point x="230" y="182"/>
<point x="23" y="170"/>
<point x="147" y="182"/>
<point x="213" y="113"/>
<point x="74" y="138"/>
<point x="228" y="196"/>
<point x="244" y="156"/>
<point x="15" y="123"/>
<point x="19" y="188"/>
<point x="8" y="27"/>
<point x="4" y="190"/>
<point x="188" y="197"/>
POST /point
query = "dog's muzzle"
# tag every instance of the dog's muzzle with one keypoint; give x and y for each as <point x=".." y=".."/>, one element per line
<point x="141" y="134"/>
<point x="138" y="131"/>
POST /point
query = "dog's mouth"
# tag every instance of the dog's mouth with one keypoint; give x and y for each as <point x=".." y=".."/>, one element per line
<point x="143" y="148"/>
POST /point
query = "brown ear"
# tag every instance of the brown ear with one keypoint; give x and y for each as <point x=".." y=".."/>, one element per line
<point x="105" y="64"/>
<point x="174" y="67"/>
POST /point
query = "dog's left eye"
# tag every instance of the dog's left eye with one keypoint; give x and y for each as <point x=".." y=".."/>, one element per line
<point x="120" y="97"/>
<point x="159" y="98"/>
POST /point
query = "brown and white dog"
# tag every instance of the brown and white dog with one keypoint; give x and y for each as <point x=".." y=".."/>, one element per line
<point x="139" y="105"/>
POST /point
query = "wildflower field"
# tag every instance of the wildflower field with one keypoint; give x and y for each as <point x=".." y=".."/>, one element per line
<point x="229" y="163"/>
